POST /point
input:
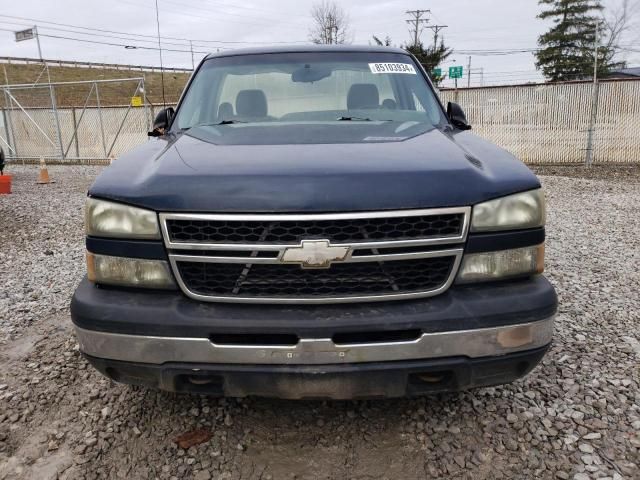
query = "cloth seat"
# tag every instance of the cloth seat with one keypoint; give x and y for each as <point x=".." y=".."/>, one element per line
<point x="363" y="95"/>
<point x="251" y="103"/>
<point x="225" y="111"/>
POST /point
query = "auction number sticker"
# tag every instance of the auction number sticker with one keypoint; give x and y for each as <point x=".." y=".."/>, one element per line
<point x="392" y="68"/>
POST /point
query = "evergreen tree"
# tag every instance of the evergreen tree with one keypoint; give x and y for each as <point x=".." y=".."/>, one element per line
<point x="567" y="49"/>
<point x="429" y="57"/>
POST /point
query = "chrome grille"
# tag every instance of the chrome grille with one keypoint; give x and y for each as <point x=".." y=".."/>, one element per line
<point x="263" y="280"/>
<point x="336" y="231"/>
<point x="391" y="255"/>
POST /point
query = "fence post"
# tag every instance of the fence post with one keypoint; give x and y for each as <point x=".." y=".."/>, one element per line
<point x="75" y="129"/>
<point x="55" y="114"/>
<point x="146" y="106"/>
<point x="592" y="122"/>
<point x="6" y="130"/>
<point x="104" y="145"/>
<point x="11" y="137"/>
<point x="594" y="100"/>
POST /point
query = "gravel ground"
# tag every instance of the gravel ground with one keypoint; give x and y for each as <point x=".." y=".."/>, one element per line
<point x="627" y="172"/>
<point x="577" y="416"/>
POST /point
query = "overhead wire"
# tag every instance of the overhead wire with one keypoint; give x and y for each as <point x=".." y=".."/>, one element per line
<point x="112" y="44"/>
<point x="207" y="17"/>
<point x="101" y="35"/>
<point x="94" y="29"/>
<point x="222" y="12"/>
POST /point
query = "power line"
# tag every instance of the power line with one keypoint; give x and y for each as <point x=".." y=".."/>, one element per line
<point x="253" y="9"/>
<point x="112" y="44"/>
<point x="496" y="52"/>
<point x="207" y="17"/>
<point x="100" y="35"/>
<point x="35" y="20"/>
<point x="217" y="11"/>
<point x="417" y="20"/>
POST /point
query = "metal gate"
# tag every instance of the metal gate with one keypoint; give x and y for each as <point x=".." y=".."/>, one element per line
<point x="71" y="121"/>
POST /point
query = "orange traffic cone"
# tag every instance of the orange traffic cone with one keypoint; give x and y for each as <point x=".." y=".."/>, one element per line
<point x="5" y="184"/>
<point x="43" y="177"/>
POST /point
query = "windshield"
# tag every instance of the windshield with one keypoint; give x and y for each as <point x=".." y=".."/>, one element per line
<point x="309" y="98"/>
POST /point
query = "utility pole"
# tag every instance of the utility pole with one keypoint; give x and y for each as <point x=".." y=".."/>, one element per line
<point x="46" y="65"/>
<point x="193" y="65"/>
<point x="594" y="101"/>
<point x="469" y="72"/>
<point x="164" y="101"/>
<point x="52" y="94"/>
<point x="35" y="28"/>
<point x="416" y="21"/>
<point x="436" y="29"/>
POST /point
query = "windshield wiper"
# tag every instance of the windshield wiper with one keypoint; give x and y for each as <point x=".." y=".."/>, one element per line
<point x="353" y="119"/>
<point x="226" y="122"/>
<point x="360" y="119"/>
<point x="223" y="122"/>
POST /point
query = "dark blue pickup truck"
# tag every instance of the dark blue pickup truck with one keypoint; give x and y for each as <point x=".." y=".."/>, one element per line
<point x="310" y="222"/>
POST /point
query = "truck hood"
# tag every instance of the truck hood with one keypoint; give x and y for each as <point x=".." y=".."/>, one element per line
<point x="434" y="169"/>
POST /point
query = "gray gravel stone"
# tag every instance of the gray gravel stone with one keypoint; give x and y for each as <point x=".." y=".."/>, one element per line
<point x="576" y="416"/>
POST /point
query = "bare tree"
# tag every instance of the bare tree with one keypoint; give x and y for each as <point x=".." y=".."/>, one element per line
<point x="617" y="24"/>
<point x="614" y="25"/>
<point x="385" y="43"/>
<point x="330" y="23"/>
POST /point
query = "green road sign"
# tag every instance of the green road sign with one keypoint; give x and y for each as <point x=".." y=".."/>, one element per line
<point x="455" y="72"/>
<point x="437" y="72"/>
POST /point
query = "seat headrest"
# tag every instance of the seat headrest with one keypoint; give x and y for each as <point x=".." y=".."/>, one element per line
<point x="225" y="111"/>
<point x="363" y="95"/>
<point x="389" y="103"/>
<point x="251" y="103"/>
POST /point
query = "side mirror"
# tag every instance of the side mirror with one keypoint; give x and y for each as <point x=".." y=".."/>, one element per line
<point x="457" y="117"/>
<point x="162" y="122"/>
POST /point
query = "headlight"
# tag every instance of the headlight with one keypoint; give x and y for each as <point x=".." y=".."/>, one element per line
<point x="109" y="219"/>
<point x="522" y="210"/>
<point x="487" y="266"/>
<point x="128" y="272"/>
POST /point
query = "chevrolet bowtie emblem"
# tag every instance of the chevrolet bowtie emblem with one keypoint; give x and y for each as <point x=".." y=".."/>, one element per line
<point x="315" y="254"/>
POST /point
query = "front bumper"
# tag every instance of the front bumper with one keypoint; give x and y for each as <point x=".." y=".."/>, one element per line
<point x="477" y="343"/>
<point x="469" y="336"/>
<point x="338" y="382"/>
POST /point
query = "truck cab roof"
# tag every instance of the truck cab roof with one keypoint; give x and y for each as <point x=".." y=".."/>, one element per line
<point x="302" y="48"/>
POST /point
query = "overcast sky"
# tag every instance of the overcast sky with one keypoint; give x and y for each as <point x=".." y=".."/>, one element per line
<point x="472" y="25"/>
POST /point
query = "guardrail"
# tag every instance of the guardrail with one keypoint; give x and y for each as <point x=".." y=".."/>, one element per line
<point x="74" y="64"/>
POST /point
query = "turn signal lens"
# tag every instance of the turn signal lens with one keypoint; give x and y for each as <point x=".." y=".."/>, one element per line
<point x="487" y="266"/>
<point x="129" y="272"/>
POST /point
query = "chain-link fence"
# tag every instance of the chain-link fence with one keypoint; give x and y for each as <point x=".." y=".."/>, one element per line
<point x="73" y="121"/>
<point x="550" y="123"/>
<point x="541" y="123"/>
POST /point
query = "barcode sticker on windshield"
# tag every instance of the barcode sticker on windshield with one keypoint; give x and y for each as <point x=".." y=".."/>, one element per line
<point x="392" y="68"/>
